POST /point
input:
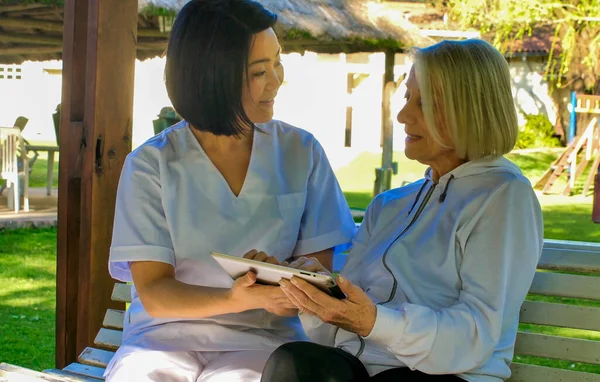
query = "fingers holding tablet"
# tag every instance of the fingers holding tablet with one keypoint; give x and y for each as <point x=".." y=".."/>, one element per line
<point x="310" y="264"/>
<point x="260" y="256"/>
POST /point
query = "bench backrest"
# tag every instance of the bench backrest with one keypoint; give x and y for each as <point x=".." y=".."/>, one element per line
<point x="561" y="318"/>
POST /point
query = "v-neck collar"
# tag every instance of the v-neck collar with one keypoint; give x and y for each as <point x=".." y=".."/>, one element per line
<point x="216" y="171"/>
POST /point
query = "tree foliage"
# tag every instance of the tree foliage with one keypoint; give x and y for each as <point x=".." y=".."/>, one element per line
<point x="575" y="24"/>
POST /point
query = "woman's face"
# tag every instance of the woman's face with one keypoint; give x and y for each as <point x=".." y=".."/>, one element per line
<point x="265" y="76"/>
<point x="419" y="144"/>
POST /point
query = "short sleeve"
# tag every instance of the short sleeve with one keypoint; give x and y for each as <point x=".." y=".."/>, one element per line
<point x="140" y="231"/>
<point x="326" y="221"/>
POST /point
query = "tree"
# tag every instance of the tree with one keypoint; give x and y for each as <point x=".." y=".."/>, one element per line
<point x="574" y="61"/>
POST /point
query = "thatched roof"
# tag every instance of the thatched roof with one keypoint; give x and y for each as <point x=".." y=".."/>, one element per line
<point x="32" y="29"/>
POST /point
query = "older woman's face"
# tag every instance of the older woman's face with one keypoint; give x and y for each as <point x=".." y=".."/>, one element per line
<point x="419" y="144"/>
<point x="265" y="75"/>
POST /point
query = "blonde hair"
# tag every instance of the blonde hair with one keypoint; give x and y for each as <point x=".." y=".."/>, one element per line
<point x="466" y="94"/>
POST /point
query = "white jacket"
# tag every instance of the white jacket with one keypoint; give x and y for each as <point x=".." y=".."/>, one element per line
<point x="449" y="265"/>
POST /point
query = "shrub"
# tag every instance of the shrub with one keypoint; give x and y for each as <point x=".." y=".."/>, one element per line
<point x="537" y="132"/>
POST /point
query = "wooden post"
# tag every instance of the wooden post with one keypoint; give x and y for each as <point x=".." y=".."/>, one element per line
<point x="353" y="81"/>
<point x="383" y="175"/>
<point x="99" y="46"/>
<point x="349" y="90"/>
<point x="387" y="124"/>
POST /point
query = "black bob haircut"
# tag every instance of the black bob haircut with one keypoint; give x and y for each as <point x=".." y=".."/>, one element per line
<point x="207" y="62"/>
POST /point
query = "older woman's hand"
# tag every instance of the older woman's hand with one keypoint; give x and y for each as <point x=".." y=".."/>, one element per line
<point x="261" y="256"/>
<point x="310" y="264"/>
<point x="356" y="313"/>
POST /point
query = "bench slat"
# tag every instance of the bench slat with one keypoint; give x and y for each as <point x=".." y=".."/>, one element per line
<point x="109" y="339"/>
<point x="113" y="319"/>
<point x="562" y="315"/>
<point x="95" y="357"/>
<point x="85" y="370"/>
<point x="545" y="346"/>
<point x="10" y="372"/>
<point x="121" y="292"/>
<point x="533" y="373"/>
<point x="564" y="285"/>
<point x="569" y="260"/>
<point x="68" y="376"/>
<point x="573" y="245"/>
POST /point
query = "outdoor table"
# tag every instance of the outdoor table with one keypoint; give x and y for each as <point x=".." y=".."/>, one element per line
<point x="51" y="150"/>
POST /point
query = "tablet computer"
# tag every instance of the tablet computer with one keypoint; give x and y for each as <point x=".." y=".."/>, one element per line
<point x="271" y="274"/>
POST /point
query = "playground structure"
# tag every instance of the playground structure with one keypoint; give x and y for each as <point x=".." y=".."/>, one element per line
<point x="582" y="149"/>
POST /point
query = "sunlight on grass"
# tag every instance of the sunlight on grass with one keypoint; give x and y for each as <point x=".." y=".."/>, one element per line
<point x="39" y="174"/>
<point x="27" y="299"/>
<point x="574" y="366"/>
<point x="565" y="332"/>
<point x="359" y="174"/>
<point x="563" y="300"/>
<point x="569" y="218"/>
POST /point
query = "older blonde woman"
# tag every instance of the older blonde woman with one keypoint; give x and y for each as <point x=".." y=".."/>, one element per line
<point x="439" y="268"/>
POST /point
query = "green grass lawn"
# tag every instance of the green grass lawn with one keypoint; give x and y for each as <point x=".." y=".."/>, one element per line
<point x="39" y="173"/>
<point x="27" y="260"/>
<point x="27" y="297"/>
<point x="38" y="176"/>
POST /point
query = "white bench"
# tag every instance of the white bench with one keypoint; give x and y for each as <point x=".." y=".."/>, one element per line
<point x="581" y="260"/>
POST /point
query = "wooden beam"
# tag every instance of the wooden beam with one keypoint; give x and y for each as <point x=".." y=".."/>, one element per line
<point x="21" y="23"/>
<point x="23" y="50"/>
<point x="97" y="107"/>
<point x="359" y="78"/>
<point x="56" y="26"/>
<point x="591" y="175"/>
<point x="148" y="32"/>
<point x="142" y="22"/>
<point x="152" y="45"/>
<point x="31" y="39"/>
<point x="449" y="33"/>
<point x="42" y="12"/>
<point x="4" y="8"/>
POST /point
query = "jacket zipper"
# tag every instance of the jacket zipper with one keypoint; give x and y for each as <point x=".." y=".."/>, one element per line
<point x="395" y="285"/>
<point x="417" y="214"/>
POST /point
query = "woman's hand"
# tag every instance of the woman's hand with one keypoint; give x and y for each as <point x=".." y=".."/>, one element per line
<point x="310" y="264"/>
<point x="356" y="313"/>
<point x="261" y="256"/>
<point x="250" y="295"/>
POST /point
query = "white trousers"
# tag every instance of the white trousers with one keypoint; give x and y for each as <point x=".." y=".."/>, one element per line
<point x="146" y="366"/>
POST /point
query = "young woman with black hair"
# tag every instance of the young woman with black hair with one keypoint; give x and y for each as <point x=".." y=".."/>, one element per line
<point x="227" y="178"/>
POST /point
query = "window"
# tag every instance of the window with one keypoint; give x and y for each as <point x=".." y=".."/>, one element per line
<point x="11" y="72"/>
